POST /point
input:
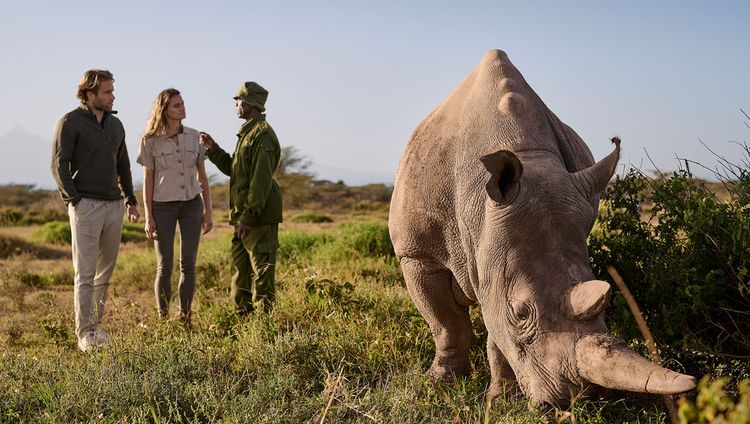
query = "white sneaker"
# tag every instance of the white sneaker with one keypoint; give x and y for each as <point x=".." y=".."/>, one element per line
<point x="87" y="343"/>
<point x="101" y="337"/>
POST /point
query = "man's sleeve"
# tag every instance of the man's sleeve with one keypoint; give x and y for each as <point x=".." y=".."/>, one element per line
<point x="221" y="159"/>
<point x="63" y="148"/>
<point x="123" y="171"/>
<point x="261" y="180"/>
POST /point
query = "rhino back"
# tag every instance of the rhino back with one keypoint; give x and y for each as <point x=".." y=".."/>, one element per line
<point x="439" y="193"/>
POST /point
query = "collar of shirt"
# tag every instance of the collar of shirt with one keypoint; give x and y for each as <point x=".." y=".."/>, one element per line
<point x="247" y="126"/>
<point x="88" y="111"/>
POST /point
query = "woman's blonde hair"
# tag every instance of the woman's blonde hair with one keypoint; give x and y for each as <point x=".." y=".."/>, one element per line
<point x="157" y="120"/>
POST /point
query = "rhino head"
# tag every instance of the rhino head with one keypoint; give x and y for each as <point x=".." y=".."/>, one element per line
<point x="542" y="307"/>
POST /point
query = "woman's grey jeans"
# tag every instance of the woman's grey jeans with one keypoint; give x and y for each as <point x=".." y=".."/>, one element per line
<point x="189" y="215"/>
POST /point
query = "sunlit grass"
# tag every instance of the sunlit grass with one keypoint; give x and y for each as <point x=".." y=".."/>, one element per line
<point x="344" y="343"/>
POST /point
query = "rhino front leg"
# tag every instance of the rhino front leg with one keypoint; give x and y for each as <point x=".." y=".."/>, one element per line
<point x="502" y="380"/>
<point x="429" y="285"/>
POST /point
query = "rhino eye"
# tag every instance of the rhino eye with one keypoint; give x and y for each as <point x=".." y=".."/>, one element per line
<point x="523" y="312"/>
<point x="523" y="318"/>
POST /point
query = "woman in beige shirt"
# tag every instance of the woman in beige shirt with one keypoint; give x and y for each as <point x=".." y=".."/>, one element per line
<point x="175" y="191"/>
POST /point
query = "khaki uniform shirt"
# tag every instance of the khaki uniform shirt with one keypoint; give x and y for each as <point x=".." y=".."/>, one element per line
<point x="254" y="196"/>
<point x="175" y="165"/>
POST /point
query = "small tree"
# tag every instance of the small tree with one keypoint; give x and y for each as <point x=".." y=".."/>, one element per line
<point x="292" y="161"/>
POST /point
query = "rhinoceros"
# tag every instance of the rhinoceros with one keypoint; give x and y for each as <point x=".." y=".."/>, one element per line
<point x="492" y="204"/>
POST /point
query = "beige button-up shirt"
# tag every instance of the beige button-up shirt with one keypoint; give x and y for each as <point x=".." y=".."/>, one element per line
<point x="175" y="165"/>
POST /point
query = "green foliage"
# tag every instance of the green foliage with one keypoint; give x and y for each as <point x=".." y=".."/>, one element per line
<point x="58" y="232"/>
<point x="686" y="263"/>
<point x="298" y="245"/>
<point x="55" y="330"/>
<point x="325" y="293"/>
<point x="11" y="246"/>
<point x="365" y="238"/>
<point x="360" y="239"/>
<point x="133" y="233"/>
<point x="714" y="405"/>
<point x="13" y="216"/>
<point x="312" y="217"/>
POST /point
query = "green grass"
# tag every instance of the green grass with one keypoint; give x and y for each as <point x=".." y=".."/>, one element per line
<point x="344" y="343"/>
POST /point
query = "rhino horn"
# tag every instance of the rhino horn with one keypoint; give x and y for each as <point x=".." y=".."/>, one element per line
<point x="606" y="361"/>
<point x="593" y="180"/>
<point x="586" y="300"/>
<point x="505" y="171"/>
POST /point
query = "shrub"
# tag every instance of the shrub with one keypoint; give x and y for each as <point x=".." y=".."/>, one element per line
<point x="365" y="238"/>
<point x="296" y="244"/>
<point x="312" y="217"/>
<point x="687" y="261"/>
<point x="713" y="404"/>
<point x="10" y="216"/>
<point x="58" y="232"/>
<point x="12" y="246"/>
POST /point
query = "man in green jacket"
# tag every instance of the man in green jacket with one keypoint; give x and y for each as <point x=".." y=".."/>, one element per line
<point x="254" y="200"/>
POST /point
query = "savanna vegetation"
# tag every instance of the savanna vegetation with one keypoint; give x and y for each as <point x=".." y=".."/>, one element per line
<point x="344" y="342"/>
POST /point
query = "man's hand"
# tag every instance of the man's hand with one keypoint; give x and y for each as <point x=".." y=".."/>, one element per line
<point x="206" y="141"/>
<point x="133" y="214"/>
<point x="208" y="223"/>
<point x="242" y="230"/>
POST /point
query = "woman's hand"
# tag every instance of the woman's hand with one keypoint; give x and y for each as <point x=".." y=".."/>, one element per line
<point x="208" y="222"/>
<point x="150" y="228"/>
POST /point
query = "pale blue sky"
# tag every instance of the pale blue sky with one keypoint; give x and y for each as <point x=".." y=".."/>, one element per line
<point x="350" y="80"/>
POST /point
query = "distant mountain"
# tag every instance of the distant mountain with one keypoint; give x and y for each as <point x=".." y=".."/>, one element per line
<point x="25" y="159"/>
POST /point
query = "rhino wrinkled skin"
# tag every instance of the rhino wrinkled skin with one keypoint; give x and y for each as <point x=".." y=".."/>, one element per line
<point x="492" y="204"/>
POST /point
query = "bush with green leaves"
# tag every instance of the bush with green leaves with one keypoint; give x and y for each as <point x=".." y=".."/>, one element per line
<point x="312" y="217"/>
<point x="687" y="262"/>
<point x="714" y="405"/>
<point x="58" y="232"/>
<point x="12" y="216"/>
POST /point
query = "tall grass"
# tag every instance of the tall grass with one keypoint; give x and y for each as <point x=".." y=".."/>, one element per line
<point x="344" y="343"/>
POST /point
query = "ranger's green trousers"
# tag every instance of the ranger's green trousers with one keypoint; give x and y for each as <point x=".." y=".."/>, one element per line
<point x="254" y="265"/>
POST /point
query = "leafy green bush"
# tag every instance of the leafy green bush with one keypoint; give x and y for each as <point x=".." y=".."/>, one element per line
<point x="11" y="216"/>
<point x="58" y="232"/>
<point x="714" y="405"/>
<point x="12" y="246"/>
<point x="312" y="217"/>
<point x="365" y="238"/>
<point x="687" y="261"/>
<point x="296" y="244"/>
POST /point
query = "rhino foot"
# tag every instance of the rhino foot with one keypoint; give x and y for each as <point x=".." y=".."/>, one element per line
<point x="448" y="374"/>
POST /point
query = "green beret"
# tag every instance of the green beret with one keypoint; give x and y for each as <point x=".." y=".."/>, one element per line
<point x="253" y="94"/>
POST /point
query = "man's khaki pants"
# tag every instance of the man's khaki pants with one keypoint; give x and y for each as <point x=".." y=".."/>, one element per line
<point x="95" y="227"/>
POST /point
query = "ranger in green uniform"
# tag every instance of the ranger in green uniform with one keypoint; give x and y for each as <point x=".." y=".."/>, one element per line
<point x="254" y="199"/>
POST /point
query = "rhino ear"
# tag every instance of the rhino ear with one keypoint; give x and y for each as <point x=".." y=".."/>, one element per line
<point x="586" y="300"/>
<point x="505" y="171"/>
